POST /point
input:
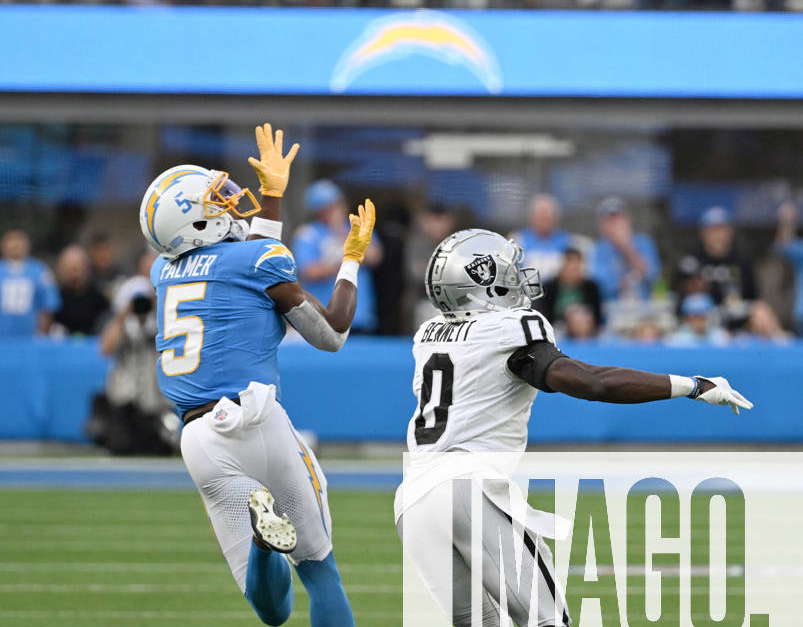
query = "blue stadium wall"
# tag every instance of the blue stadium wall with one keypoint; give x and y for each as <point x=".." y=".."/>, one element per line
<point x="385" y="52"/>
<point x="363" y="393"/>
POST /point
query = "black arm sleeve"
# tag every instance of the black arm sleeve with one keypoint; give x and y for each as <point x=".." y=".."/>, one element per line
<point x="532" y="361"/>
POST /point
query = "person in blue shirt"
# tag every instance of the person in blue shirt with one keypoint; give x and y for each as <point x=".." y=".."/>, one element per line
<point x="623" y="263"/>
<point x="317" y="251"/>
<point x="699" y="324"/>
<point x="792" y="248"/>
<point x="542" y="241"/>
<point x="225" y="291"/>
<point x="28" y="294"/>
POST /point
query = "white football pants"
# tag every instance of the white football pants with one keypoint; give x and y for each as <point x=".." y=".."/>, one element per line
<point x="234" y="449"/>
<point x="442" y="518"/>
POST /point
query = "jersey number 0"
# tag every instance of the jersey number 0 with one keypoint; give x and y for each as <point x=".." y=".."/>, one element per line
<point x="442" y="364"/>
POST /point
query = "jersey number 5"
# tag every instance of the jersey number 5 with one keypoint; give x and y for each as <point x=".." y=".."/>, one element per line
<point x="191" y="327"/>
<point x="442" y="364"/>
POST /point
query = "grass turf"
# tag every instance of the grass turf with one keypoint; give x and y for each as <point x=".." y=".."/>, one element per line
<point x="90" y="558"/>
<point x="102" y="558"/>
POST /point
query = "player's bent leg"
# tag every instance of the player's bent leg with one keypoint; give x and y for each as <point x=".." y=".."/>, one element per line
<point x="262" y="575"/>
<point x="247" y="450"/>
<point x="461" y="598"/>
<point x="530" y="590"/>
<point x="288" y="467"/>
<point x="462" y="562"/>
<point x="427" y="529"/>
<point x="329" y="606"/>
<point x="268" y="585"/>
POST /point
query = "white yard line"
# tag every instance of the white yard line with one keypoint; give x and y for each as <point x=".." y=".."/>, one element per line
<point x="170" y="567"/>
<point x="181" y="615"/>
<point x="157" y="588"/>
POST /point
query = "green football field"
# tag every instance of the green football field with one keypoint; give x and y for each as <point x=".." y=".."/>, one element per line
<point x="90" y="558"/>
<point x="97" y="558"/>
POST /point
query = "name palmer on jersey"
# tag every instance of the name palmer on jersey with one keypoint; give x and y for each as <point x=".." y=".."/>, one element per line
<point x="188" y="267"/>
<point x="447" y="331"/>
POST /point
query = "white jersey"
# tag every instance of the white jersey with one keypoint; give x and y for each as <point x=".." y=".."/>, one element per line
<point x="467" y="398"/>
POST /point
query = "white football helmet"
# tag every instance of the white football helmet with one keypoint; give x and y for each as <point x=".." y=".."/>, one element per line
<point x="188" y="206"/>
<point x="477" y="270"/>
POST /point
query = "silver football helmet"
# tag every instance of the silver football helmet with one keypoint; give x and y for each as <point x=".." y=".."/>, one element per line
<point x="478" y="270"/>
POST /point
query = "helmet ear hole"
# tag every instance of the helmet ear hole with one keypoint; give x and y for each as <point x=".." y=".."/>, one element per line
<point x="500" y="291"/>
<point x="200" y="225"/>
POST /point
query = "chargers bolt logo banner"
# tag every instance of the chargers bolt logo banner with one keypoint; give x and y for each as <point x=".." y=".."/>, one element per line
<point x="482" y="270"/>
<point x="423" y="32"/>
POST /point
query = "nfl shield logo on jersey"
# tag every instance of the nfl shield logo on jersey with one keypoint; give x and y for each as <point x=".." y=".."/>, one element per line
<point x="482" y="270"/>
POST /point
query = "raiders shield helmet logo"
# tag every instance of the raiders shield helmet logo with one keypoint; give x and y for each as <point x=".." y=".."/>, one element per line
<point x="482" y="270"/>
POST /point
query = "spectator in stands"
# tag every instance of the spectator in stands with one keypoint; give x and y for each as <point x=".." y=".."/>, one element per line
<point x="127" y="419"/>
<point x="103" y="261"/>
<point x="571" y="287"/>
<point x="727" y="274"/>
<point x="83" y="305"/>
<point x="624" y="264"/>
<point x="648" y="330"/>
<point x="763" y="324"/>
<point x="388" y="275"/>
<point x="140" y="283"/>
<point x="699" y="325"/>
<point x="792" y="248"/>
<point x="578" y="323"/>
<point x="318" y="250"/>
<point x="689" y="279"/>
<point x="542" y="240"/>
<point x="431" y="226"/>
<point x="28" y="295"/>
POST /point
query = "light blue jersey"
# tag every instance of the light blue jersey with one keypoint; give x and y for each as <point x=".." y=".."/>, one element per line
<point x="218" y="329"/>
<point x="26" y="290"/>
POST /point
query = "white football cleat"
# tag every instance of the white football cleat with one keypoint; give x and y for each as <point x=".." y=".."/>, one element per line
<point x="271" y="531"/>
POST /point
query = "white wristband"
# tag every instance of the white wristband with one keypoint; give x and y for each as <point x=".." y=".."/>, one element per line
<point x="348" y="271"/>
<point x="681" y="386"/>
<point x="266" y="228"/>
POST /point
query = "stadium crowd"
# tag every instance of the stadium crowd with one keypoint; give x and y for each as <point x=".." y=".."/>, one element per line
<point x="612" y="287"/>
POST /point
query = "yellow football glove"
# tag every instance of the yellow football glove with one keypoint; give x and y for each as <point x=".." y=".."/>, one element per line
<point x="273" y="170"/>
<point x="359" y="237"/>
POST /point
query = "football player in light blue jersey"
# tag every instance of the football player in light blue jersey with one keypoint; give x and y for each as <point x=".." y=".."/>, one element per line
<point x="28" y="294"/>
<point x="225" y="291"/>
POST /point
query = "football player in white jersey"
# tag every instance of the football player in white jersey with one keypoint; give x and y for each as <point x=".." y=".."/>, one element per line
<point x="479" y="365"/>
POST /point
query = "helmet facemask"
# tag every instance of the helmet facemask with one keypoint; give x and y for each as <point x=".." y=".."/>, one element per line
<point x="531" y="285"/>
<point x="223" y="196"/>
<point x="529" y="278"/>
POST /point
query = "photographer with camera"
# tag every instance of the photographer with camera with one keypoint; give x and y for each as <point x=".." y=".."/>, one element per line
<point x="132" y="417"/>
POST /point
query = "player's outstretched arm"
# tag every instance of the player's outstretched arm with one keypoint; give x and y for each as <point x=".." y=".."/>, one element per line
<point x="273" y="171"/>
<point x="327" y="327"/>
<point x="610" y="384"/>
<point x="543" y="366"/>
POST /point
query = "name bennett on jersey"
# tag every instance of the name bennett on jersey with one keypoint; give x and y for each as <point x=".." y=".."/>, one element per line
<point x="449" y="331"/>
